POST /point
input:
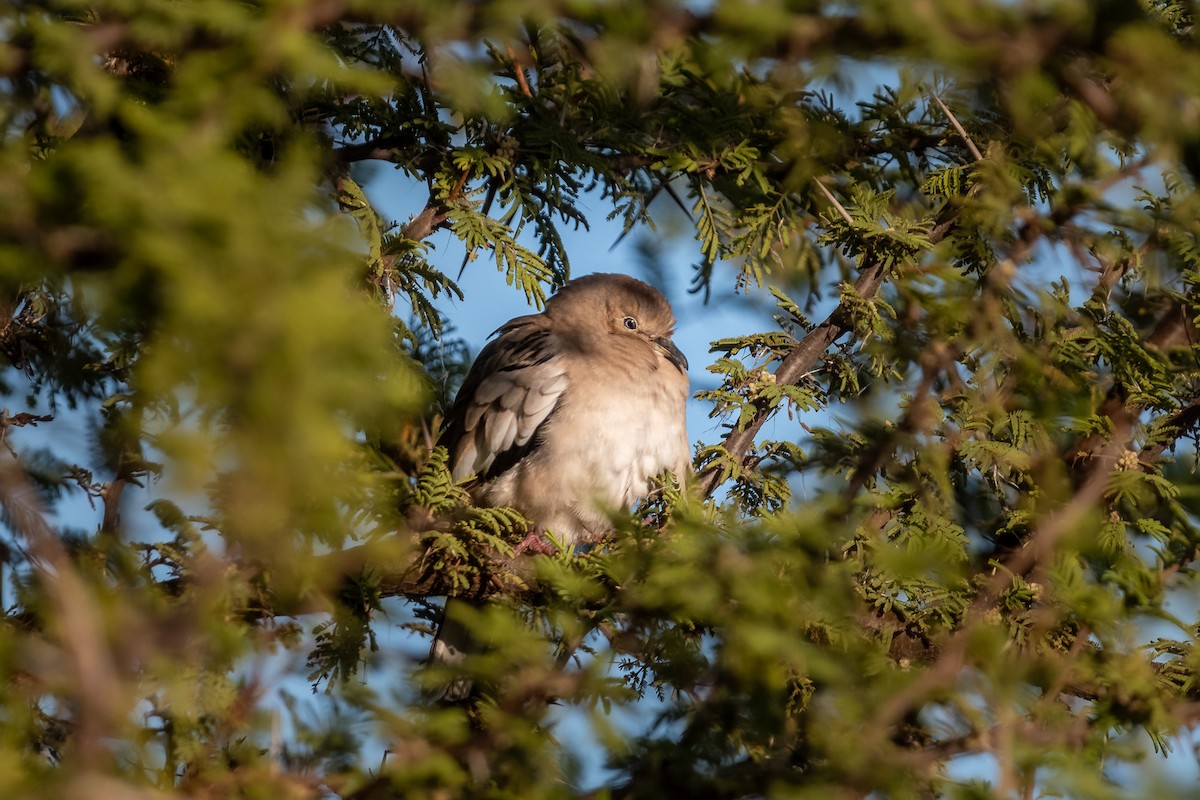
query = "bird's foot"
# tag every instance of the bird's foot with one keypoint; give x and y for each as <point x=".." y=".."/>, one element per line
<point x="537" y="543"/>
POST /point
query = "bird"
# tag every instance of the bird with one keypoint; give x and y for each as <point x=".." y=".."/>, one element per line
<point x="566" y="416"/>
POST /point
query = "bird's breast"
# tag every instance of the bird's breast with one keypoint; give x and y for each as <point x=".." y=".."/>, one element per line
<point x="616" y="439"/>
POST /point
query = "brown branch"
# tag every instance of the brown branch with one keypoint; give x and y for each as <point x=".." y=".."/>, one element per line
<point x="381" y="149"/>
<point x="435" y="212"/>
<point x="110" y="497"/>
<point x="1073" y="735"/>
<point x="798" y="362"/>
<point x="398" y="566"/>
<point x="1096" y="455"/>
<point x="23" y="418"/>
<point x="801" y="359"/>
<point x="425" y="223"/>
<point x="519" y="73"/>
<point x="1173" y="329"/>
<point x="953" y="654"/>
<point x="1092" y="471"/>
<point x="959" y="128"/>
<point x="1182" y="422"/>
<point x="72" y="615"/>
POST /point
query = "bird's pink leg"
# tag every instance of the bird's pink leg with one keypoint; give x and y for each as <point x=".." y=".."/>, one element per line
<point x="535" y="542"/>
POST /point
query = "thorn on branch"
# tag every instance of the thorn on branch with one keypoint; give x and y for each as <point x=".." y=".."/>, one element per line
<point x="519" y="73"/>
<point x="834" y="201"/>
<point x="959" y="128"/>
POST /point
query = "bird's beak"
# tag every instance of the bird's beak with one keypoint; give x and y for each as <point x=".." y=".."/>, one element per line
<point x="673" y="353"/>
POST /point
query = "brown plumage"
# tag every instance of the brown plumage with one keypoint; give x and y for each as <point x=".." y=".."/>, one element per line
<point x="570" y="414"/>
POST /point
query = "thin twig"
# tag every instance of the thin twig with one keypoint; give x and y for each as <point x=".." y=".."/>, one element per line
<point x="435" y="212"/>
<point x="829" y="196"/>
<point x="803" y="356"/>
<point x="1037" y="552"/>
<point x="519" y="72"/>
<point x="71" y="611"/>
<point x="958" y="127"/>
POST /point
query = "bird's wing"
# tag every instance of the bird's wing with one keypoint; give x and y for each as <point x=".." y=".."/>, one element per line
<point x="511" y="390"/>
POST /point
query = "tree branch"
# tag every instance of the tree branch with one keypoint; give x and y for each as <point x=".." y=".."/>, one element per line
<point x="801" y="359"/>
<point x="72" y="614"/>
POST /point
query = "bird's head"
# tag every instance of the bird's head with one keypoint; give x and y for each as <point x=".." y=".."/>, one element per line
<point x="606" y="305"/>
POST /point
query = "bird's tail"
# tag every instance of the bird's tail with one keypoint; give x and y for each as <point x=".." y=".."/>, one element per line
<point x="450" y="646"/>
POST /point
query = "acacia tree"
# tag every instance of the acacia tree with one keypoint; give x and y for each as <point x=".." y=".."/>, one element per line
<point x="988" y="267"/>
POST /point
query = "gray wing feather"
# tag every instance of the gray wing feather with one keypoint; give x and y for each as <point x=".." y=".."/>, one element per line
<point x="512" y="389"/>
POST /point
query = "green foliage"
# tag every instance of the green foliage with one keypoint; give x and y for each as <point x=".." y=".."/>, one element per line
<point x="953" y="513"/>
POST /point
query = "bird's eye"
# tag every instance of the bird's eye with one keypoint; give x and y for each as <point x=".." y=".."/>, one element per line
<point x="631" y="323"/>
